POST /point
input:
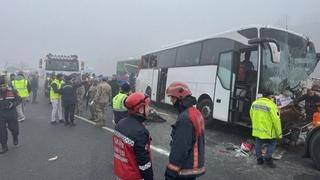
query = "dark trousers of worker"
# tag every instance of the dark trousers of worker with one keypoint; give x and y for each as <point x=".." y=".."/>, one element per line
<point x="69" y="112"/>
<point x="271" y="145"/>
<point x="34" y="95"/>
<point x="12" y="124"/>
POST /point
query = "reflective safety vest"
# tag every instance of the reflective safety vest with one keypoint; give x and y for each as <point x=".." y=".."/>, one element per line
<point x="54" y="95"/>
<point x="22" y="87"/>
<point x="265" y="118"/>
<point x="118" y="102"/>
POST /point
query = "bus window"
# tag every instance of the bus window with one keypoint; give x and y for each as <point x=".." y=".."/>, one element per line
<point x="167" y="58"/>
<point x="248" y="64"/>
<point x="189" y="55"/>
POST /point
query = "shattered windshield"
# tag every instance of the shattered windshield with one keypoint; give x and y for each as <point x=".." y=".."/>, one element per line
<point x="297" y="61"/>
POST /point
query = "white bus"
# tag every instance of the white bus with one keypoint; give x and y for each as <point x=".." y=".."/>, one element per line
<point x="215" y="69"/>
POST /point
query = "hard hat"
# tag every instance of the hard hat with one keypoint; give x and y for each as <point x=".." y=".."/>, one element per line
<point x="135" y="101"/>
<point x="179" y="90"/>
<point x="125" y="87"/>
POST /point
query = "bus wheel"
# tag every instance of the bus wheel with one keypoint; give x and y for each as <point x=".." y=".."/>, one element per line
<point x="205" y="107"/>
<point x="315" y="149"/>
<point x="148" y="92"/>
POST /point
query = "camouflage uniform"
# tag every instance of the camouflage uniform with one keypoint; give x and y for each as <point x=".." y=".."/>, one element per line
<point x="101" y="100"/>
<point x="92" y="94"/>
<point x="80" y="104"/>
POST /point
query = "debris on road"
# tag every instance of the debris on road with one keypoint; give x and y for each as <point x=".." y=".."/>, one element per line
<point x="155" y="117"/>
<point x="53" y="158"/>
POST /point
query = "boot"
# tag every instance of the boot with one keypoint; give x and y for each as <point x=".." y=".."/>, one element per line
<point x="260" y="161"/>
<point x="15" y="140"/>
<point x="4" y="149"/>
<point x="269" y="163"/>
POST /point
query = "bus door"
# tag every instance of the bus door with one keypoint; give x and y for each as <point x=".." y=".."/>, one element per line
<point x="162" y="85"/>
<point x="223" y="87"/>
<point x="245" y="84"/>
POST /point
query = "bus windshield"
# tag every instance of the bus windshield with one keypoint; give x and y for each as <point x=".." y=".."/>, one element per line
<point x="297" y="61"/>
<point x="62" y="65"/>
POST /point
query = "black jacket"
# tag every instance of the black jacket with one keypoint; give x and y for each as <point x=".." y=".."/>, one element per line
<point x="69" y="93"/>
<point x="114" y="87"/>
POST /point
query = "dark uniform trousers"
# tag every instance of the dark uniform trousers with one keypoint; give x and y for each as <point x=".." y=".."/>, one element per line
<point x="69" y="110"/>
<point x="10" y="121"/>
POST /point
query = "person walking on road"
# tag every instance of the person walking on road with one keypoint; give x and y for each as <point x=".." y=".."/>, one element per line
<point x="101" y="100"/>
<point x="131" y="141"/>
<point x="69" y="99"/>
<point x="119" y="109"/>
<point x="22" y="85"/>
<point x="186" y="159"/>
<point x="34" y="86"/>
<point x="266" y="127"/>
<point x="9" y="100"/>
<point x="55" y="98"/>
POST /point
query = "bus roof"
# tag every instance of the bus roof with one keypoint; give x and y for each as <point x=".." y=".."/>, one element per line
<point x="226" y="34"/>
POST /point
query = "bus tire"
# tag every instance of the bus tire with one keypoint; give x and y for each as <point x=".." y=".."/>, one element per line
<point x="148" y="92"/>
<point x="315" y="149"/>
<point x="205" y="107"/>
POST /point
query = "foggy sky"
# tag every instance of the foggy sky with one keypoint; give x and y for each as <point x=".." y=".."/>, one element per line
<point x="102" y="32"/>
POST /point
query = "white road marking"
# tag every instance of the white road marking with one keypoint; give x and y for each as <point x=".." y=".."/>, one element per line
<point x="154" y="148"/>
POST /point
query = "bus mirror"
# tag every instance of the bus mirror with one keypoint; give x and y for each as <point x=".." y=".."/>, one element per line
<point x="275" y="52"/>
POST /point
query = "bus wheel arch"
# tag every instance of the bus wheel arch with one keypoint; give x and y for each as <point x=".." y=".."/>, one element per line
<point x="315" y="148"/>
<point x="205" y="106"/>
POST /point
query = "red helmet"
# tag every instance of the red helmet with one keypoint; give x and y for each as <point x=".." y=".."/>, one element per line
<point x="178" y="89"/>
<point x="135" y="101"/>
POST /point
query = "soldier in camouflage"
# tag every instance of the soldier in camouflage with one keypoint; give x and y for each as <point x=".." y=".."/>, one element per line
<point x="80" y="103"/>
<point x="92" y="94"/>
<point x="101" y="100"/>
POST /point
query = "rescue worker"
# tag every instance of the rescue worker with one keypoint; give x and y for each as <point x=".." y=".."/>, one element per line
<point x="311" y="99"/>
<point x="80" y="95"/>
<point x="9" y="100"/>
<point x="186" y="160"/>
<point x="101" y="100"/>
<point x="119" y="110"/>
<point x="55" y="98"/>
<point x="23" y="87"/>
<point x="131" y="141"/>
<point x="266" y="127"/>
<point x="91" y="94"/>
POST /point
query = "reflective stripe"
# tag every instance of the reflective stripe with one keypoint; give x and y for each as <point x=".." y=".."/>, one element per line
<point x="145" y="167"/>
<point x="186" y="172"/>
<point x="124" y="138"/>
<point x="261" y="107"/>
<point x="173" y="167"/>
